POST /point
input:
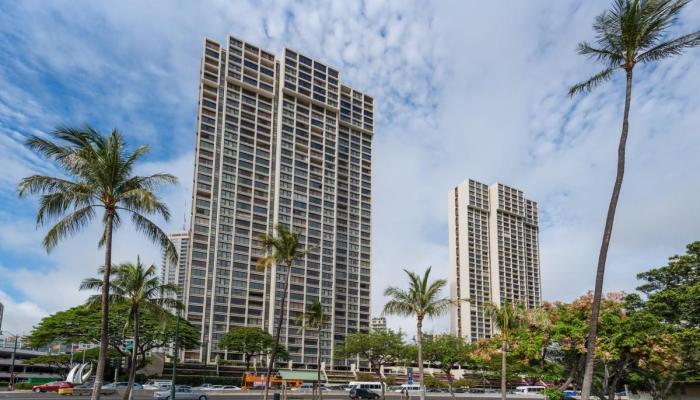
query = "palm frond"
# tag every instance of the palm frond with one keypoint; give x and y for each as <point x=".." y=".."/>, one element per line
<point x="91" y="284"/>
<point x="155" y="234"/>
<point x="595" y="80"/>
<point x="400" y="308"/>
<point x="68" y="226"/>
<point x="671" y="48"/>
<point x="609" y="57"/>
<point x="56" y="204"/>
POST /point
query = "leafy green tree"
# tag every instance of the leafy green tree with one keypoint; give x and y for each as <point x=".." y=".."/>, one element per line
<point x="447" y="351"/>
<point x="377" y="347"/>
<point x="530" y="351"/>
<point x="313" y="319"/>
<point x="433" y="382"/>
<point x="250" y="341"/>
<point x="507" y="318"/>
<point x="138" y="287"/>
<point x="83" y="324"/>
<point x="631" y="32"/>
<point x="99" y="177"/>
<point x="422" y="299"/>
<point x="283" y="250"/>
<point x="673" y="296"/>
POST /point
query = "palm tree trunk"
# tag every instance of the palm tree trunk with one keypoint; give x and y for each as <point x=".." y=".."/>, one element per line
<point x="104" y="334"/>
<point x="603" y="255"/>
<point x="419" y="343"/>
<point x="504" y="348"/>
<point x="134" y="356"/>
<point x="279" y="330"/>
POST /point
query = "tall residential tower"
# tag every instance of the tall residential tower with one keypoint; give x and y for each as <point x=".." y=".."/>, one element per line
<point x="279" y="141"/>
<point x="174" y="272"/>
<point x="494" y="253"/>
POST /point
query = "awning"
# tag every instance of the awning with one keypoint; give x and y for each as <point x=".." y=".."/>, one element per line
<point x="309" y="376"/>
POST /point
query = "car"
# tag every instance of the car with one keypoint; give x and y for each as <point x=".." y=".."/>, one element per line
<point x="359" y="393"/>
<point x="51" y="386"/>
<point x="86" y="390"/>
<point x="181" y="392"/>
<point x="122" y="386"/>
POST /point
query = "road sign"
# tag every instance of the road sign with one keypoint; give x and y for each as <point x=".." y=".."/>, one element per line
<point x="410" y="376"/>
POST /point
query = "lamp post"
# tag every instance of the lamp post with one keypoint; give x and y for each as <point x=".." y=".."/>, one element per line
<point x="175" y="354"/>
<point x="12" y="366"/>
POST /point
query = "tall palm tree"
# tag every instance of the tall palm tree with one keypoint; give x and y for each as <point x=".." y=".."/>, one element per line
<point x="96" y="176"/>
<point x="139" y="288"/>
<point x="631" y="32"/>
<point x="507" y="318"/>
<point x="283" y="249"/>
<point x="422" y="299"/>
<point x="313" y="319"/>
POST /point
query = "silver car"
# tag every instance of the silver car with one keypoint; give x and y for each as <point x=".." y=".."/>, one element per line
<point x="181" y="392"/>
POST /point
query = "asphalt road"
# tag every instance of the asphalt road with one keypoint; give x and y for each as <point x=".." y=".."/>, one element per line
<point x="143" y="395"/>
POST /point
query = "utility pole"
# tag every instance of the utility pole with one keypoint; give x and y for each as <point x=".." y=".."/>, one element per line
<point x="175" y="355"/>
<point x="12" y="366"/>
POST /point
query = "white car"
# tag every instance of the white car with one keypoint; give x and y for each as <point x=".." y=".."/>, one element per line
<point x="181" y="392"/>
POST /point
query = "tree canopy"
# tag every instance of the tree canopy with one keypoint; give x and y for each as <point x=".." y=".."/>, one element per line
<point x="82" y="324"/>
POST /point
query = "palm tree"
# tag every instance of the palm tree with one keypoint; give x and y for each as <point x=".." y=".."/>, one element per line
<point x="420" y="300"/>
<point x="139" y="288"/>
<point x="631" y="32"/>
<point x="507" y="318"/>
<point x="313" y="319"/>
<point x="283" y="249"/>
<point x="97" y="176"/>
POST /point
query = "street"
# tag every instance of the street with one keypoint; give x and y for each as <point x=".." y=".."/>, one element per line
<point x="147" y="394"/>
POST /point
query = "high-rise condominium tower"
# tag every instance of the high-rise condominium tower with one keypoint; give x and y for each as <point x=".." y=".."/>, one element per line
<point x="494" y="253"/>
<point x="279" y="141"/>
<point x="174" y="272"/>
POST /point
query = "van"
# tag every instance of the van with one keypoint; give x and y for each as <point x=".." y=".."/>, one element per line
<point x="376" y="387"/>
<point x="412" y="389"/>
<point x="529" y="389"/>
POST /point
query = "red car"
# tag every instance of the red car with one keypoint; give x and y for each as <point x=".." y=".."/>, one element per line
<point x="51" y="386"/>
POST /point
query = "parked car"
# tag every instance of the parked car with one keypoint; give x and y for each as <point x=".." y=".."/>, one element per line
<point x="359" y="393"/>
<point x="51" y="386"/>
<point x="122" y="386"/>
<point x="529" y="389"/>
<point x="181" y="392"/>
<point x="86" y="390"/>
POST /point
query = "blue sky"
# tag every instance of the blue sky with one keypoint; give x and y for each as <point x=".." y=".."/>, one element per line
<point x="463" y="90"/>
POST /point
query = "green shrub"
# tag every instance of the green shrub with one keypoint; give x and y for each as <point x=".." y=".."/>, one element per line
<point x="433" y="382"/>
<point x="214" y="380"/>
<point x="460" y="383"/>
<point x="365" y="377"/>
<point x="553" y="394"/>
<point x="23" y="386"/>
<point x="390" y="380"/>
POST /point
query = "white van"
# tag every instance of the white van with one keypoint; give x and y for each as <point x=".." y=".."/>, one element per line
<point x="529" y="389"/>
<point x="376" y="387"/>
<point x="412" y="389"/>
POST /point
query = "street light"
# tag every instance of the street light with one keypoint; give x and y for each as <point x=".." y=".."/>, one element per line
<point x="12" y="366"/>
<point x="177" y="345"/>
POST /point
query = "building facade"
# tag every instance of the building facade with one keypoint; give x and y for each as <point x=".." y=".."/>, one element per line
<point x="174" y="272"/>
<point x="378" y="324"/>
<point x="494" y="253"/>
<point x="279" y="141"/>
